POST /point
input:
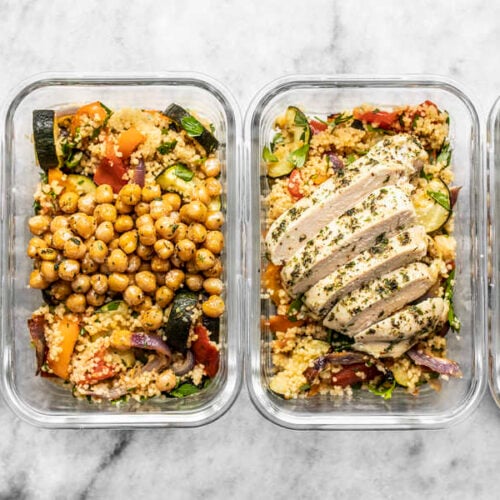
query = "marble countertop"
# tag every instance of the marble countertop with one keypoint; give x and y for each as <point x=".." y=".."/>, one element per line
<point x="245" y="45"/>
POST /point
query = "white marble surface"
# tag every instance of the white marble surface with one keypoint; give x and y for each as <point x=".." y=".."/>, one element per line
<point x="245" y="45"/>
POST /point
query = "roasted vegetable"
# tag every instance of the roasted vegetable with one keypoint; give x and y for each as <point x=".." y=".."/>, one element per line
<point x="177" y="179"/>
<point x="180" y="320"/>
<point x="192" y="126"/>
<point x="44" y="134"/>
<point x="433" y="205"/>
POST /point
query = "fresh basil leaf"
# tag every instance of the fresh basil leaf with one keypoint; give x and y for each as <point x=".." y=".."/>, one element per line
<point x="183" y="172"/>
<point x="440" y="199"/>
<point x="277" y="139"/>
<point x="192" y="126"/>
<point x="166" y="147"/>
<point x="184" y="390"/>
<point x="448" y="295"/>
<point x="384" y="392"/>
<point x="268" y="156"/>
<point x="300" y="119"/>
<point x="298" y="157"/>
<point x="294" y="308"/>
<point x="444" y="155"/>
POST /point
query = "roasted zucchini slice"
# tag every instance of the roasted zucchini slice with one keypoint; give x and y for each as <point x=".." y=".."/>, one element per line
<point x="177" y="179"/>
<point x="180" y="319"/>
<point x="192" y="126"/>
<point x="45" y="131"/>
<point x="81" y="184"/>
<point x="433" y="204"/>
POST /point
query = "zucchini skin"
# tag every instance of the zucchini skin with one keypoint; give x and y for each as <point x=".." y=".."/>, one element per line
<point x="44" y="129"/>
<point x="206" y="139"/>
<point x="180" y="319"/>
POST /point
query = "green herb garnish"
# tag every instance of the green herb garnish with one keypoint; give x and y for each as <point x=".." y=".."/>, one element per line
<point x="304" y="387"/>
<point x="350" y="159"/>
<point x="440" y="199"/>
<point x="341" y="118"/>
<point x="381" y="390"/>
<point x="166" y="147"/>
<point x="300" y="119"/>
<point x="268" y="156"/>
<point x="298" y="157"/>
<point x="183" y="172"/>
<point x="448" y="295"/>
<point x="37" y="207"/>
<point x="192" y="126"/>
<point x="184" y="390"/>
<point x="277" y="139"/>
<point x="445" y="155"/>
<point x="294" y="309"/>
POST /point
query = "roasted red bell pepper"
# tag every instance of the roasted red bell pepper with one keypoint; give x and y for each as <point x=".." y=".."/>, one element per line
<point x="294" y="182"/>
<point x="383" y="119"/>
<point x="111" y="170"/>
<point x="351" y="374"/>
<point x="317" y="127"/>
<point x="205" y="351"/>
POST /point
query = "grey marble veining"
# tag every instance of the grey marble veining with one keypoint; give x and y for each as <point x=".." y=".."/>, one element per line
<point x="246" y="45"/>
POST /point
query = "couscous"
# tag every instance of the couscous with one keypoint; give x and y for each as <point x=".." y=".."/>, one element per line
<point x="360" y="253"/>
<point x="127" y="246"/>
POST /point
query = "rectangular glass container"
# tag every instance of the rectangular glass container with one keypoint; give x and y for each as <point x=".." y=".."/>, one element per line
<point x="323" y="95"/>
<point x="38" y="400"/>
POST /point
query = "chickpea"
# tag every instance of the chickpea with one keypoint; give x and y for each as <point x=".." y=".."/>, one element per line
<point x="74" y="248"/>
<point x="60" y="237"/>
<point x="134" y="262"/>
<point x="164" y="248"/>
<point x="180" y="232"/>
<point x="204" y="259"/>
<point x="185" y="249"/>
<point x="105" y="212"/>
<point x="146" y="304"/>
<point x="60" y="290"/>
<point x="89" y="265"/>
<point x="213" y="307"/>
<point x="47" y="237"/>
<point x="49" y="271"/>
<point x="123" y="208"/>
<point x="146" y="281"/>
<point x="99" y="283"/>
<point x="143" y="220"/>
<point x="59" y="222"/>
<point x="105" y="231"/>
<point x="159" y="208"/>
<point x="76" y="302"/>
<point x="173" y="199"/>
<point x="81" y="283"/>
<point x="142" y="208"/>
<point x="201" y="194"/>
<point x="47" y="254"/>
<point x="147" y="234"/>
<point x="34" y="245"/>
<point x="150" y="192"/>
<point x="128" y="241"/>
<point x="164" y="295"/>
<point x="37" y="280"/>
<point x="194" y="282"/>
<point x="130" y="194"/>
<point x="117" y="261"/>
<point x="94" y="299"/>
<point x="190" y="267"/>
<point x="213" y="286"/>
<point x="87" y="203"/>
<point x="98" y="251"/>
<point x="118" y="282"/>
<point x="133" y="295"/>
<point x="197" y="232"/>
<point x="68" y="269"/>
<point x="166" y="381"/>
<point x="124" y="223"/>
<point x="174" y="279"/>
<point x="84" y="225"/>
<point x="104" y="268"/>
<point x="211" y="167"/>
<point x="166" y="227"/>
<point x="193" y="211"/>
<point x="68" y="202"/>
<point x="114" y="244"/>
<point x="104" y="194"/>
<point x="214" y="220"/>
<point x="160" y="265"/>
<point x="145" y="252"/>
<point x="215" y="271"/>
<point x="214" y="242"/>
<point x="160" y="278"/>
<point x="151" y="319"/>
<point x="213" y="186"/>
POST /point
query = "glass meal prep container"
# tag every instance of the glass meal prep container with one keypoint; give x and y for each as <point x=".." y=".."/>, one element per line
<point x="321" y="96"/>
<point x="38" y="400"/>
<point x="493" y="157"/>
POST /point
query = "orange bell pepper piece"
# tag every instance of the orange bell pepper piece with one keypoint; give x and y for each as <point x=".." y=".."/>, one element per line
<point x="271" y="280"/>
<point x="279" y="323"/>
<point x="69" y="331"/>
<point x="94" y="110"/>
<point x="129" y="140"/>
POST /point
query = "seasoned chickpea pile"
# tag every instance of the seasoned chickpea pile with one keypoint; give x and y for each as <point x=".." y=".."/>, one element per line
<point x="127" y="248"/>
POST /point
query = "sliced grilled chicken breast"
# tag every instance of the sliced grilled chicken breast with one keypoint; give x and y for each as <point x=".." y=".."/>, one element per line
<point x="393" y="160"/>
<point x="393" y="349"/>
<point x="385" y="212"/>
<point x="411" y="323"/>
<point x="388" y="254"/>
<point x="379" y="298"/>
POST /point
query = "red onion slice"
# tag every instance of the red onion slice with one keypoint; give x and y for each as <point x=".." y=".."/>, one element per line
<point x="36" y="327"/>
<point x="337" y="163"/>
<point x="184" y="366"/>
<point x="151" y="342"/>
<point x="436" y="364"/>
<point x="343" y="358"/>
<point x="140" y="173"/>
